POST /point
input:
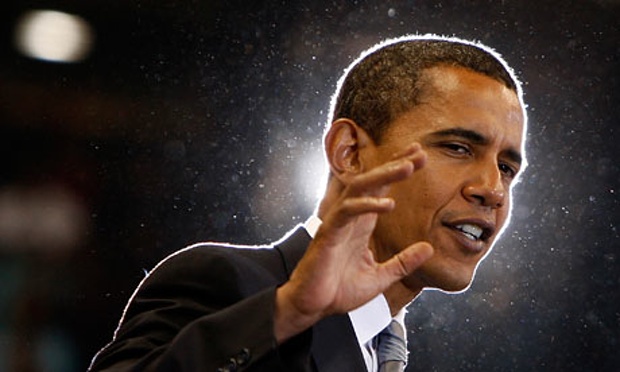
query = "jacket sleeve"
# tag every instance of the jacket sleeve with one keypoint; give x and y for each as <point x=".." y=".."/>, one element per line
<point x="203" y="310"/>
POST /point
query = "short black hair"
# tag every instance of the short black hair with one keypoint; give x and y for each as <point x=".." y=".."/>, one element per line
<point x="385" y="81"/>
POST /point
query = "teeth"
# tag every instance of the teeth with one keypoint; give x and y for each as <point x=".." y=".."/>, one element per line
<point x="473" y="232"/>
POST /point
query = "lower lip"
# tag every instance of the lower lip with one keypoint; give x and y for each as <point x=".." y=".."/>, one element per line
<point x="470" y="246"/>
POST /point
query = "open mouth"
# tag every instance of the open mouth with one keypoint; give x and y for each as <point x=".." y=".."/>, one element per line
<point x="473" y="231"/>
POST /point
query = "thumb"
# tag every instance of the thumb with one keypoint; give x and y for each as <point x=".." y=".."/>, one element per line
<point x="409" y="259"/>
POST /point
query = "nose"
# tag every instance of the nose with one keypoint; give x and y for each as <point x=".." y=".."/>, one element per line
<point x="486" y="188"/>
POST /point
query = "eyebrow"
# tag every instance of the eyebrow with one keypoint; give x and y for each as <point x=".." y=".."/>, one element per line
<point x="477" y="139"/>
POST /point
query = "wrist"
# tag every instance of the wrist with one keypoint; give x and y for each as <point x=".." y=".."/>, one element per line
<point x="289" y="320"/>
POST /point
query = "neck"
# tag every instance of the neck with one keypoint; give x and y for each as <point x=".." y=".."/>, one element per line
<point x="398" y="296"/>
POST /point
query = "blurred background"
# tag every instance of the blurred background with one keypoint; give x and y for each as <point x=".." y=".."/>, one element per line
<point x="129" y="129"/>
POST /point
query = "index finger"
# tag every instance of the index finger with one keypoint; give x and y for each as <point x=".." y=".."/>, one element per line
<point x="375" y="181"/>
<point x="414" y="153"/>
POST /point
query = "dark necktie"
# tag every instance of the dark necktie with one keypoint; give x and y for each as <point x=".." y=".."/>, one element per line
<point x="392" y="348"/>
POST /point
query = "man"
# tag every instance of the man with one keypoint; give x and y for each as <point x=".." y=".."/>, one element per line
<point x="424" y="146"/>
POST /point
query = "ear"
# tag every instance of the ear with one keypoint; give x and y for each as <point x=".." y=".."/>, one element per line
<point x="344" y="143"/>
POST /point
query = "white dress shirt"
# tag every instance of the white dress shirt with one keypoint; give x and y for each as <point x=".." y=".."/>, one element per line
<point x="369" y="319"/>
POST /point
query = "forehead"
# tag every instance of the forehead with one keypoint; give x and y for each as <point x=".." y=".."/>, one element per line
<point x="458" y="97"/>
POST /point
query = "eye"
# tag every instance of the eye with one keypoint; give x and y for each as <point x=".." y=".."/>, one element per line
<point x="507" y="170"/>
<point x="457" y="148"/>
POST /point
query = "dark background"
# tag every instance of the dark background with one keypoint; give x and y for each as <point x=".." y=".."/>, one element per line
<point x="202" y="120"/>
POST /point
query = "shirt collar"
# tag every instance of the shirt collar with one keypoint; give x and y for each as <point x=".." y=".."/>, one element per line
<point x="370" y="319"/>
<point x="312" y="225"/>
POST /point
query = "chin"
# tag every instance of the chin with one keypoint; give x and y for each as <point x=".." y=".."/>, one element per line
<point x="448" y="280"/>
<point x="453" y="288"/>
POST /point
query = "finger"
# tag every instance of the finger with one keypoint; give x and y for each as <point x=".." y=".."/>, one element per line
<point x="366" y="204"/>
<point x="404" y="164"/>
<point x="351" y="208"/>
<point x="413" y="153"/>
<point x="414" y="148"/>
<point x="408" y="260"/>
<point x="376" y="180"/>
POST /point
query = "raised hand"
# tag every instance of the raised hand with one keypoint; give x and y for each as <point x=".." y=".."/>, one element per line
<point x="339" y="272"/>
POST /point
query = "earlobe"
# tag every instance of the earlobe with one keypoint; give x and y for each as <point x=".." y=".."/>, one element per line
<point x="343" y="144"/>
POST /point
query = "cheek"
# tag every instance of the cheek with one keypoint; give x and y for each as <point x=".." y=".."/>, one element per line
<point x="423" y="196"/>
<point x="434" y="186"/>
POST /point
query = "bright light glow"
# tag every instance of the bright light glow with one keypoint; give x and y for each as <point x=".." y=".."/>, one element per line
<point x="311" y="177"/>
<point x="53" y="36"/>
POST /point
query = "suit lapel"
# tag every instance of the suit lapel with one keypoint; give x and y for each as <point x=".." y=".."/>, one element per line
<point x="335" y="347"/>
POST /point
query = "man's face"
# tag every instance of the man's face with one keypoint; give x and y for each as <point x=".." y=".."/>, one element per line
<point x="471" y="128"/>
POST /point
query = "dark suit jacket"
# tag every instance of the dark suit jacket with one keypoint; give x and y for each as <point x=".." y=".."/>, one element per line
<point x="211" y="307"/>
